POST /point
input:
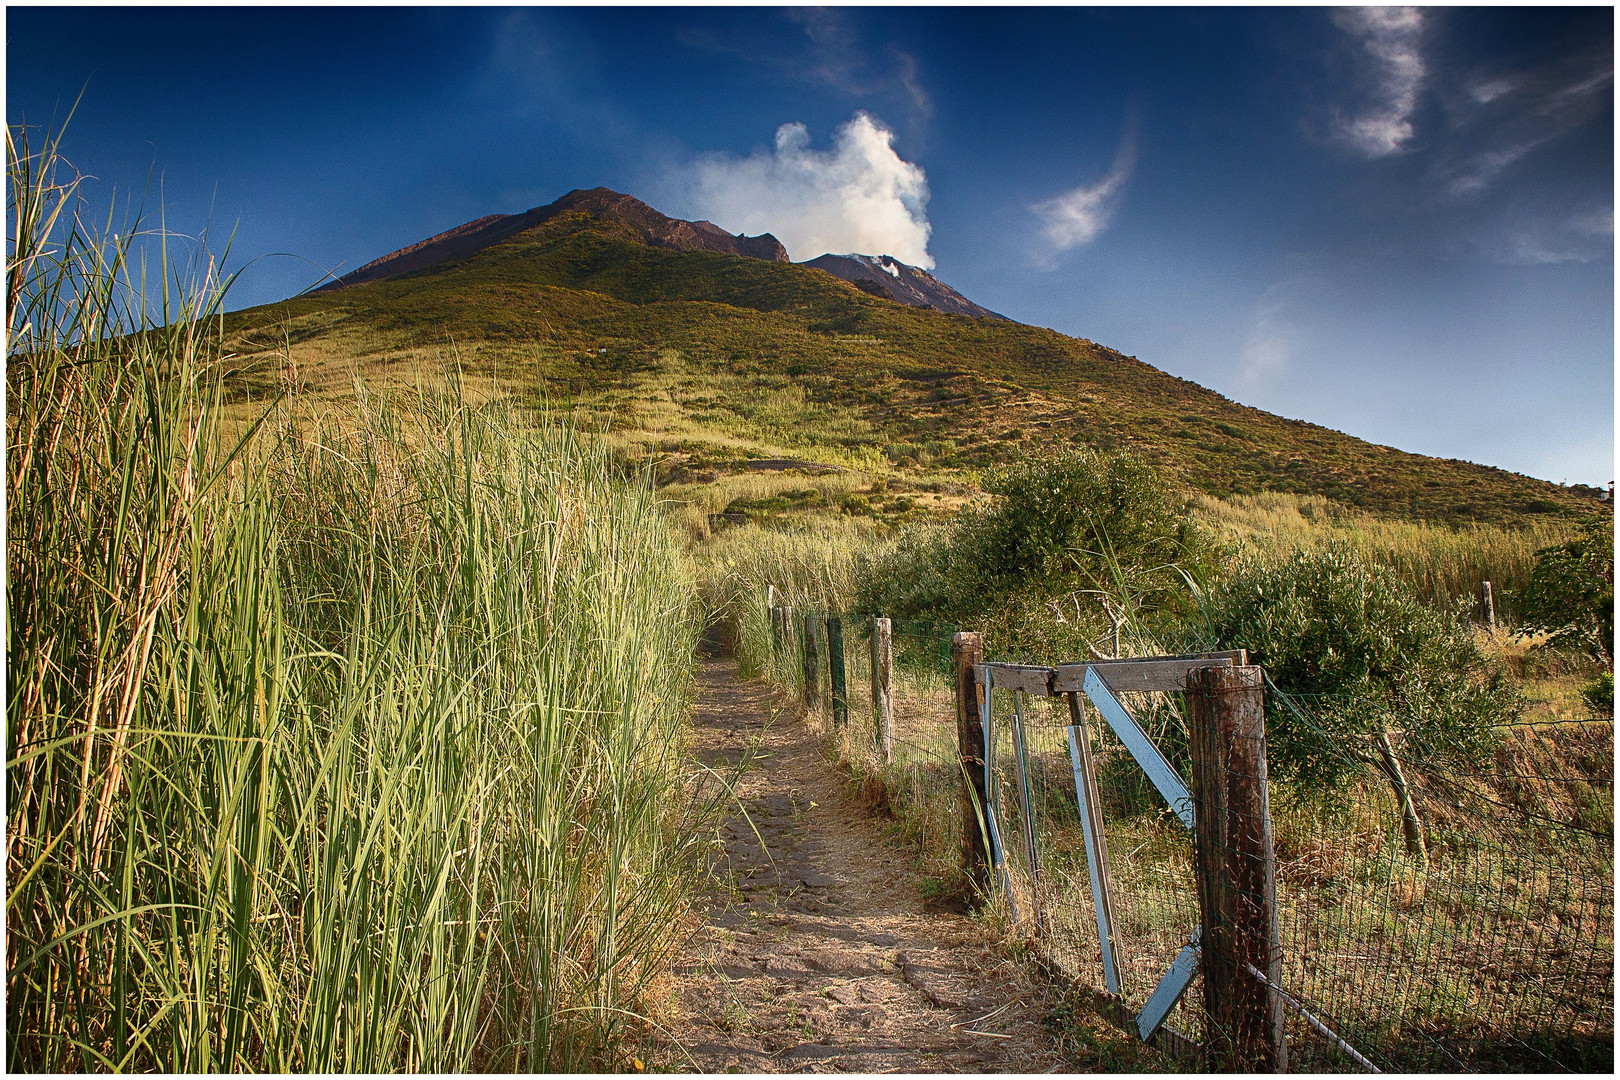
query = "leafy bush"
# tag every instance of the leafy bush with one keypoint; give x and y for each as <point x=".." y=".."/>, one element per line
<point x="1571" y="590"/>
<point x="1073" y="521"/>
<point x="1367" y="652"/>
<point x="1599" y="694"/>
<point x="1070" y="543"/>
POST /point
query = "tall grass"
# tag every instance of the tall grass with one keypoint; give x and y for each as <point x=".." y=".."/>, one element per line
<point x="812" y="568"/>
<point x="1443" y="563"/>
<point x="353" y="746"/>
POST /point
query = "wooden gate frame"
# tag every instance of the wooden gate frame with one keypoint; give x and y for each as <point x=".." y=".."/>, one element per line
<point x="1100" y="681"/>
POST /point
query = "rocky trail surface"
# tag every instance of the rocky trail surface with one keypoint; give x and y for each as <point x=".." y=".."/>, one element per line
<point x="819" y="953"/>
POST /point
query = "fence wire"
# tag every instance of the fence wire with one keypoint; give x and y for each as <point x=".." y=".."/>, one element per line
<point x="1491" y="951"/>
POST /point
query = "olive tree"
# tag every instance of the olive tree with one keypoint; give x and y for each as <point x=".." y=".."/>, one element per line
<point x="1570" y="595"/>
<point x="1371" y="660"/>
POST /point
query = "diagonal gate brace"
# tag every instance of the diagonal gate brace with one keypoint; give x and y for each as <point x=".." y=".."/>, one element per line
<point x="1158" y="770"/>
<point x="1170" y="988"/>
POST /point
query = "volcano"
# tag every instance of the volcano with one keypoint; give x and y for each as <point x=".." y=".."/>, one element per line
<point x="703" y="342"/>
<point x="599" y="205"/>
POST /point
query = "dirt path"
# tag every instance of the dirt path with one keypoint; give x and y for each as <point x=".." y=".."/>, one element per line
<point x="819" y="954"/>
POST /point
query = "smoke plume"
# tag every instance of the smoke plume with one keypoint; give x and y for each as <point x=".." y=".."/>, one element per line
<point x="860" y="196"/>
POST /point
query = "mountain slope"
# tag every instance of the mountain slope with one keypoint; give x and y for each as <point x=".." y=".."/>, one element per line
<point x="702" y="356"/>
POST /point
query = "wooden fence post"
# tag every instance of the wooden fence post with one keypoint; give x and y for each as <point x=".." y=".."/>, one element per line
<point x="812" y="664"/>
<point x="1487" y="605"/>
<point x="835" y="671"/>
<point x="1237" y="881"/>
<point x="776" y="627"/>
<point x="883" y="685"/>
<point x="967" y="649"/>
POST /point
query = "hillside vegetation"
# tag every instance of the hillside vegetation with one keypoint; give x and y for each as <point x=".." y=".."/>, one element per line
<point x="703" y="359"/>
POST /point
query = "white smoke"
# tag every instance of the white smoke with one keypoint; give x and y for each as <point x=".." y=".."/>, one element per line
<point x="860" y="196"/>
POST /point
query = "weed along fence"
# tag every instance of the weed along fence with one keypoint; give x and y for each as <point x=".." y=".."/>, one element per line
<point x="1408" y="914"/>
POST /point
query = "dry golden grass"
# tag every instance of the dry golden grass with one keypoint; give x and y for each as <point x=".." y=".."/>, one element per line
<point x="1444" y="563"/>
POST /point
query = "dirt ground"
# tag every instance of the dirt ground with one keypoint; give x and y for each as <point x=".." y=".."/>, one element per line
<point x="819" y="953"/>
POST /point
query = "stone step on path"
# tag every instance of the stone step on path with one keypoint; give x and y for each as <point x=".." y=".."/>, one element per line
<point x="818" y="953"/>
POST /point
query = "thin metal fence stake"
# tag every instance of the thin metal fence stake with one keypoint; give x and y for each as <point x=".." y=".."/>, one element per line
<point x="991" y="788"/>
<point x="1027" y="801"/>
<point x="1085" y="786"/>
<point x="836" y="672"/>
<point x="812" y="664"/>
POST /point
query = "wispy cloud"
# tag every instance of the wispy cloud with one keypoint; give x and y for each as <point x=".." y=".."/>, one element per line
<point x="1594" y="223"/>
<point x="1078" y="217"/>
<point x="1483" y="93"/>
<point x="839" y="58"/>
<point x="1269" y="348"/>
<point x="1476" y="172"/>
<point x="1391" y="37"/>
<point x="1502" y="119"/>
<point x="859" y="196"/>
<point x="1535" y="238"/>
<point x="834" y="54"/>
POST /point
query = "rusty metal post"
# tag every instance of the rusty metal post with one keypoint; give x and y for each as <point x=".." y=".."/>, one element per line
<point x="1237" y="882"/>
<point x="967" y="649"/>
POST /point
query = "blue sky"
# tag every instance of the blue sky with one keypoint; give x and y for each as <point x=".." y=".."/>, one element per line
<point x="1398" y="224"/>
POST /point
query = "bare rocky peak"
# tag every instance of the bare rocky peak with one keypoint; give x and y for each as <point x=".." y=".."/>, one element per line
<point x="884" y="275"/>
<point x="644" y="223"/>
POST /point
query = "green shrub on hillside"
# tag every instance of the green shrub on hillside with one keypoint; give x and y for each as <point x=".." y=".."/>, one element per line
<point x="1366" y="655"/>
<point x="1599" y="694"/>
<point x="1070" y="545"/>
<point x="1571" y="590"/>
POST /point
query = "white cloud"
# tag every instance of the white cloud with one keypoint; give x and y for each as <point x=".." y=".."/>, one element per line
<point x="1079" y="216"/>
<point x="860" y="196"/>
<point x="1269" y="349"/>
<point x="1391" y="36"/>
<point x="1536" y="238"/>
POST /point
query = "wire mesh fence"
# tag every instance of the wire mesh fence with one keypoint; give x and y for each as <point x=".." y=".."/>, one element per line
<point x="1489" y="944"/>
<point x="1488" y="948"/>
